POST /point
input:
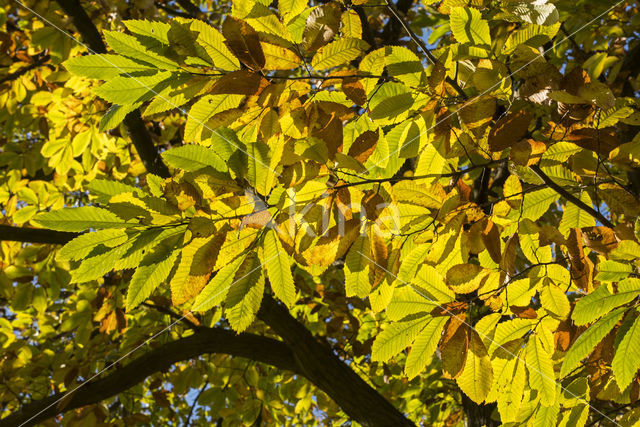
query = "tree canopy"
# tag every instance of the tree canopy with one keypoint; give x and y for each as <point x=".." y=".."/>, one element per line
<point x="295" y="212"/>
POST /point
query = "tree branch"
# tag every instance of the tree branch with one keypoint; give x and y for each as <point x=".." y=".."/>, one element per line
<point x="570" y="197"/>
<point x="35" y="235"/>
<point x="261" y="349"/>
<point x="422" y="46"/>
<point x="323" y="368"/>
<point x="35" y="64"/>
<point x="133" y="121"/>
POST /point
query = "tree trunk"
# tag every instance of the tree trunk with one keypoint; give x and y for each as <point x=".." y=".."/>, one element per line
<point x="478" y="415"/>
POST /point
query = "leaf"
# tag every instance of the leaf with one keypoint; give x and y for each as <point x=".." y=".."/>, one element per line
<point x="243" y="41"/>
<point x="216" y="290"/>
<point x="424" y="346"/>
<point x="509" y="129"/>
<point x="454" y="347"/>
<point x="356" y="268"/>
<point x="338" y="52"/>
<point x="279" y="58"/>
<point x="132" y="90"/>
<point x="603" y="300"/>
<point x="80" y="219"/>
<point x="245" y="294"/>
<point x="212" y="44"/>
<point x="396" y="337"/>
<point x="626" y="359"/>
<point x="404" y="65"/>
<point x="612" y="271"/>
<point x="154" y="270"/>
<point x="574" y="217"/>
<point x="105" y="66"/>
<point x="468" y="26"/>
<point x="509" y="331"/>
<point x="586" y="342"/>
<point x="555" y="301"/>
<point x="129" y="46"/>
<point x="465" y="278"/>
<point x="536" y="203"/>
<point x="80" y="247"/>
<point x="203" y="110"/>
<point x="278" y="269"/>
<point x="477" y="376"/>
<point x="192" y="157"/>
<point x="540" y="367"/>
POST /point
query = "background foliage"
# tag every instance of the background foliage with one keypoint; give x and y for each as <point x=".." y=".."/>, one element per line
<point x="432" y="204"/>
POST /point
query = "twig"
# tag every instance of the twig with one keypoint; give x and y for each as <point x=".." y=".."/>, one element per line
<point x="570" y="197"/>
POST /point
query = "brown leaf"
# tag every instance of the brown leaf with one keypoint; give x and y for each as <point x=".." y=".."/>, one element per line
<point x="243" y="41"/>
<point x="453" y="348"/>
<point x="581" y="266"/>
<point x="241" y="82"/>
<point x="354" y="90"/>
<point x="509" y="129"/>
<point x="524" y="312"/>
<point x="322" y="24"/>
<point x="508" y="260"/>
<point x="477" y="113"/>
<point x="564" y="334"/>
<point x="364" y="145"/>
<point x="455" y="308"/>
<point x="601" y="141"/>
<point x="492" y="241"/>
<point x="600" y="239"/>
<point x="527" y="152"/>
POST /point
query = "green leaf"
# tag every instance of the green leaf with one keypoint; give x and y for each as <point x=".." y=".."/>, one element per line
<point x="540" y="367"/>
<point x="477" y="376"/>
<point x="278" y="269"/>
<point x="396" y="337"/>
<point x="115" y="115"/>
<point x="586" y="342"/>
<point x="612" y="271"/>
<point x="509" y="331"/>
<point x="155" y="30"/>
<point x="245" y="294"/>
<point x="80" y="219"/>
<point x="555" y="301"/>
<point x="204" y="109"/>
<point x="424" y="346"/>
<point x="193" y="157"/>
<point x="104" y="189"/>
<point x="124" y="90"/>
<point x="430" y="284"/>
<point x="536" y="203"/>
<point x="626" y="359"/>
<point x="154" y="270"/>
<point x="603" y="300"/>
<point x="211" y="42"/>
<point x="338" y="52"/>
<point x="106" y="66"/>
<point x="575" y="217"/>
<point x="468" y="26"/>
<point x="356" y="268"/>
<point x="405" y="65"/>
<point x="98" y="265"/>
<point x="80" y="247"/>
<point x="216" y="290"/>
<point x="129" y="46"/>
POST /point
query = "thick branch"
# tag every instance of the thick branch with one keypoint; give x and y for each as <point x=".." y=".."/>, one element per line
<point x="262" y="349"/>
<point x="35" y="64"/>
<point x="323" y="368"/>
<point x="34" y="235"/>
<point x="570" y="197"/>
<point x="133" y="121"/>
